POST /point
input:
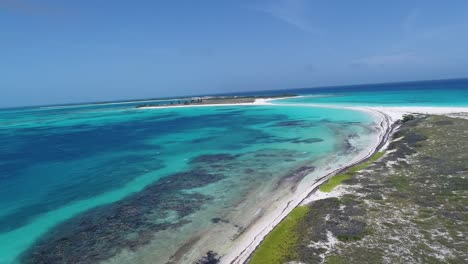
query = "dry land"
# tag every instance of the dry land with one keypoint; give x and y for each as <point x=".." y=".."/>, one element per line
<point x="217" y="100"/>
<point x="409" y="205"/>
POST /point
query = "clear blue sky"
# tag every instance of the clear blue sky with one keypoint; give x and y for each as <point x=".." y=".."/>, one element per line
<point x="72" y="51"/>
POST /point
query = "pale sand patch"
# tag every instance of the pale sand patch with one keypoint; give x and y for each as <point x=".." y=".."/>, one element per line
<point x="319" y="195"/>
<point x="397" y="112"/>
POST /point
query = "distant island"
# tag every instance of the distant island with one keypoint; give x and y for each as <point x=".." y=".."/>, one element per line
<point x="215" y="100"/>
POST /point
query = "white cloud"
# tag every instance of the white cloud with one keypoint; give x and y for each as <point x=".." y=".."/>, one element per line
<point x="292" y="12"/>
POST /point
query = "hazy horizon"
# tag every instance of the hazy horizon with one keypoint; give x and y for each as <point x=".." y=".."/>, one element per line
<point x="123" y="100"/>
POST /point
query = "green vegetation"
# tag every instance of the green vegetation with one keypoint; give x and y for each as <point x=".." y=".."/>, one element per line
<point x="280" y="245"/>
<point x="333" y="259"/>
<point x="414" y="199"/>
<point x="366" y="164"/>
<point x="425" y="213"/>
<point x="354" y="236"/>
<point x="401" y="183"/>
<point x="407" y="118"/>
<point x="334" y="181"/>
<point x="423" y="182"/>
<point x="339" y="178"/>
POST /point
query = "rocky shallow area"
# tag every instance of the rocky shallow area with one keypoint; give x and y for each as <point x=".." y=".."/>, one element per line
<point x="410" y="206"/>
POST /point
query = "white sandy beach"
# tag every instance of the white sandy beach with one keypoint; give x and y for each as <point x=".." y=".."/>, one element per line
<point x="393" y="112"/>
<point x="397" y="112"/>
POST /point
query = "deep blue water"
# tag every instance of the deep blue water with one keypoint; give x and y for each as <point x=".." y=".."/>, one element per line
<point x="60" y="162"/>
<point x="416" y="87"/>
<point x="61" y="165"/>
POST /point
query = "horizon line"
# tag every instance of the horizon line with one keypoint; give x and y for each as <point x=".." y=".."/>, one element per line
<point x="227" y="93"/>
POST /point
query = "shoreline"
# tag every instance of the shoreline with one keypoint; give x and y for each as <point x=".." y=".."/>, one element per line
<point x="243" y="249"/>
<point x="386" y="118"/>
<point x="393" y="112"/>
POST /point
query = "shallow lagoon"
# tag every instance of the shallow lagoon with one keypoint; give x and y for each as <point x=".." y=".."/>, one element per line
<point x="113" y="182"/>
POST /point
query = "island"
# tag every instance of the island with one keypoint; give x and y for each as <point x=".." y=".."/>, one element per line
<point x="214" y="100"/>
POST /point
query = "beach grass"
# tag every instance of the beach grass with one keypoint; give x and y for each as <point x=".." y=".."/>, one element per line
<point x="279" y="246"/>
<point x="339" y="178"/>
<point x="366" y="164"/>
<point x="334" y="181"/>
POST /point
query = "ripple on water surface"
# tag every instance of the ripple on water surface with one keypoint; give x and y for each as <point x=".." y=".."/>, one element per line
<point x="81" y="185"/>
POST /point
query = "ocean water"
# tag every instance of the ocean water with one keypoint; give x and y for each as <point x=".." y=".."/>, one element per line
<point x="109" y="183"/>
<point x="90" y="183"/>
<point x="428" y="93"/>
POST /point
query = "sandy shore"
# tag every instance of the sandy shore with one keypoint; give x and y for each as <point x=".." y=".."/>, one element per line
<point x="397" y="112"/>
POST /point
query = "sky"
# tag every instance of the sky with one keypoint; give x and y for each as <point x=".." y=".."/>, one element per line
<point x="80" y="51"/>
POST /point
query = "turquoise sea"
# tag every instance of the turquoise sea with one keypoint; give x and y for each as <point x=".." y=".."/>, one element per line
<point x="109" y="183"/>
<point x="427" y="93"/>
